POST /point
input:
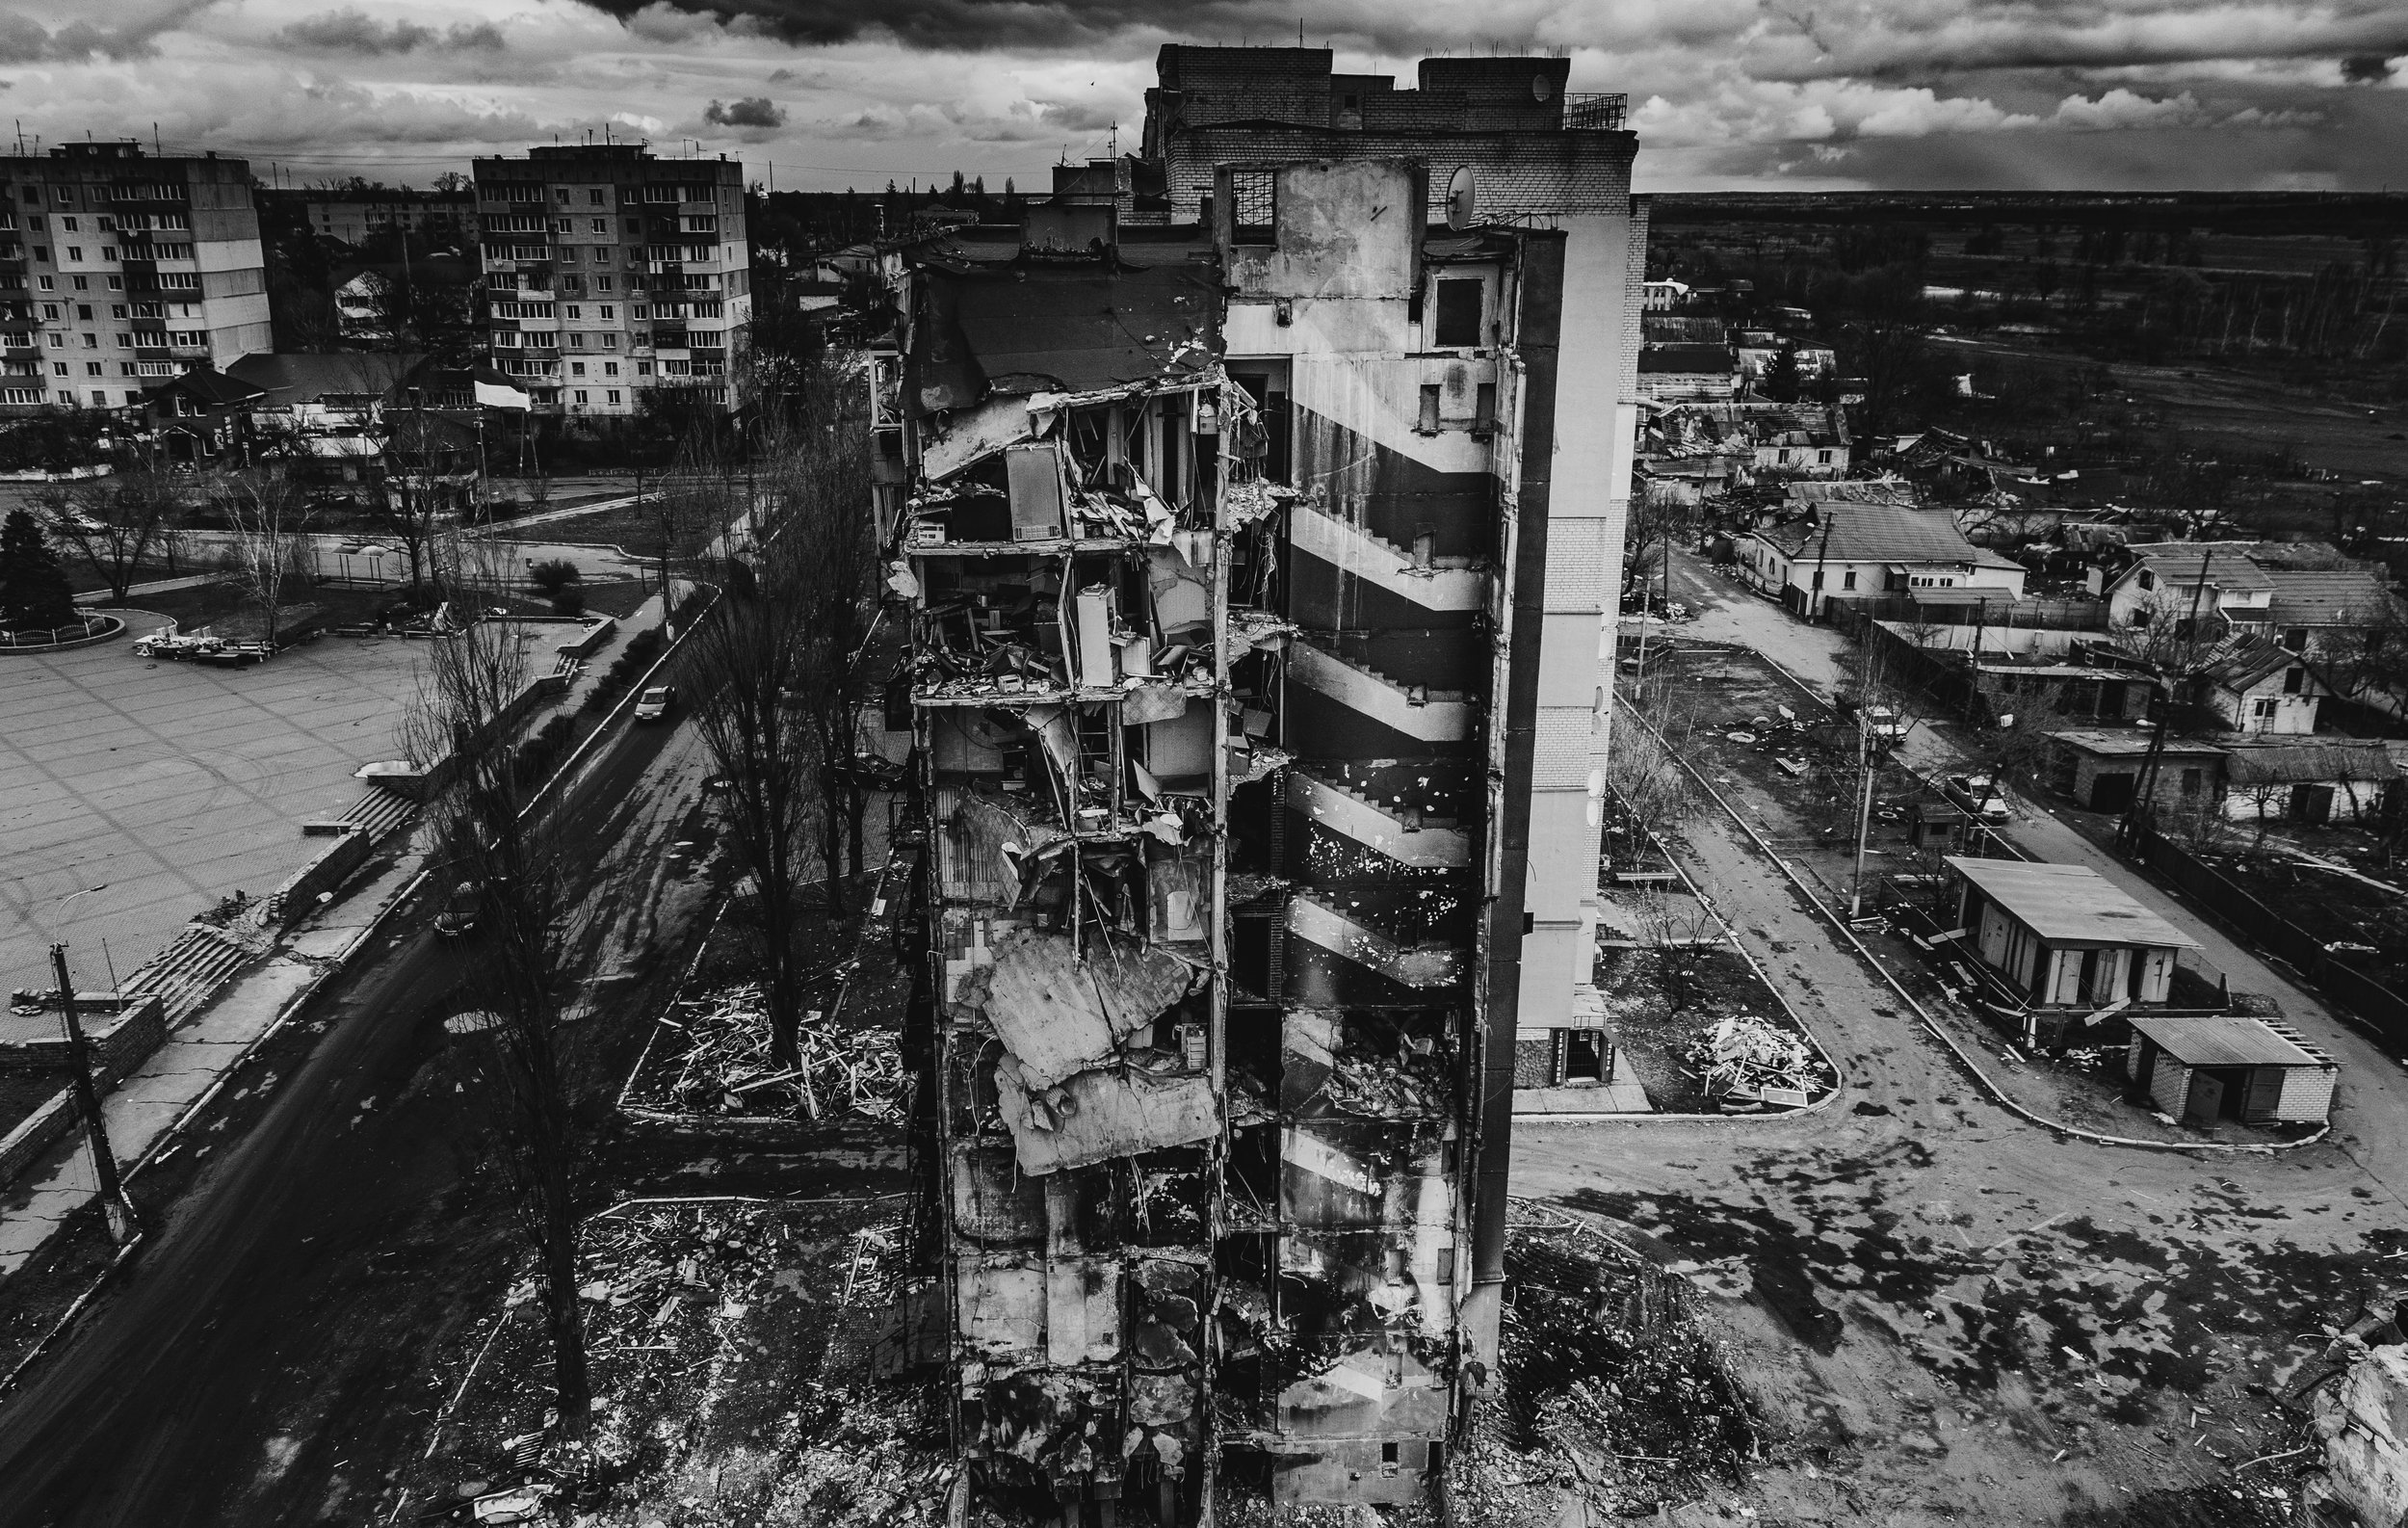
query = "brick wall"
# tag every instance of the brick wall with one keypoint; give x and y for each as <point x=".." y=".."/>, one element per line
<point x="2170" y="1086"/>
<point x="2307" y="1093"/>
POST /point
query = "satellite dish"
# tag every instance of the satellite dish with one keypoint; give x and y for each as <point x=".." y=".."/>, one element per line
<point x="1460" y="199"/>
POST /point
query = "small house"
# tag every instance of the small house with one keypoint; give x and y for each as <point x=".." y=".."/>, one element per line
<point x="1859" y="548"/>
<point x="2064" y="938"/>
<point x="2257" y="686"/>
<point x="2310" y="782"/>
<point x="1672" y="373"/>
<point x="2229" y="1066"/>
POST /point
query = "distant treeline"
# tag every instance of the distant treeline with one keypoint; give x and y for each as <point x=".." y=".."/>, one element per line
<point x="2345" y="215"/>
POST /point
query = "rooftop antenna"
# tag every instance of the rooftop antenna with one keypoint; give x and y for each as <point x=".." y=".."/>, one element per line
<point x="154" y="142"/>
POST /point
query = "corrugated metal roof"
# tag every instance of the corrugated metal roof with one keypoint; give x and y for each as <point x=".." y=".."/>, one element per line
<point x="2228" y="564"/>
<point x="2305" y="763"/>
<point x="2069" y="904"/>
<point x="2222" y="1039"/>
<point x="1885" y="533"/>
<point x="2242" y="662"/>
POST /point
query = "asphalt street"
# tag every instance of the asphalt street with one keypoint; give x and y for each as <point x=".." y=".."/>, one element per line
<point x="277" y="1333"/>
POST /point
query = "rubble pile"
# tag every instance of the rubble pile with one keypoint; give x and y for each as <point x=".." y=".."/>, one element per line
<point x="721" y="1065"/>
<point x="734" y="1352"/>
<point x="1615" y="1398"/>
<point x="1748" y="1059"/>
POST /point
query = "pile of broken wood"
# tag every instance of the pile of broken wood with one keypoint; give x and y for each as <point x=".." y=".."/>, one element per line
<point x="722" y="1064"/>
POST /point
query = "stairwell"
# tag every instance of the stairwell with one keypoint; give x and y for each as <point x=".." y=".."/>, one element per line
<point x="1432" y="716"/>
<point x="1425" y="965"/>
<point x="1360" y="553"/>
<point x="1407" y="839"/>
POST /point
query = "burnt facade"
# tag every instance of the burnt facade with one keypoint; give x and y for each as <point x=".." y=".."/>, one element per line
<point x="1259" y="691"/>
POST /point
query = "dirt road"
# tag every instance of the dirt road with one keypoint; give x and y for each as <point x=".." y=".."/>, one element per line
<point x="1956" y="1316"/>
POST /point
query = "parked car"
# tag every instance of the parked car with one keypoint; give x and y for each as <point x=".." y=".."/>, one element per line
<point x="460" y="909"/>
<point x="1887" y="727"/>
<point x="655" y="703"/>
<point x="1979" y="795"/>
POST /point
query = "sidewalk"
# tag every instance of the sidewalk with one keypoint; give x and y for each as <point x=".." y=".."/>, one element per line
<point x="144" y="1108"/>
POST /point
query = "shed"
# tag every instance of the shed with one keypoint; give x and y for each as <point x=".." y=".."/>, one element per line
<point x="2065" y="937"/>
<point x="2102" y="770"/>
<point x="2229" y="1066"/>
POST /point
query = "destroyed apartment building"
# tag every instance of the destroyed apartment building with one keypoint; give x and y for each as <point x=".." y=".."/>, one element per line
<point x="1260" y="724"/>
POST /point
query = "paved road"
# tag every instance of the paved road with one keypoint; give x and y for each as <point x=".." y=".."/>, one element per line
<point x="1955" y="1317"/>
<point x="281" y="1325"/>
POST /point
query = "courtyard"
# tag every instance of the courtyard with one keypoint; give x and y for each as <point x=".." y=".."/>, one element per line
<point x="135" y="794"/>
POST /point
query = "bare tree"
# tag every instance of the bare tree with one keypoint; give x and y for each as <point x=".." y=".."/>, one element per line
<point x="460" y="725"/>
<point x="268" y="512"/>
<point x="1656" y="526"/>
<point x="2367" y="653"/>
<point x="824" y="511"/>
<point x="1683" y="934"/>
<point x="745" y="663"/>
<point x="117" y="521"/>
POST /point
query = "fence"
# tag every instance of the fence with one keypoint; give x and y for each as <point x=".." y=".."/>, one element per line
<point x="2377" y="1005"/>
<point x="1848" y="611"/>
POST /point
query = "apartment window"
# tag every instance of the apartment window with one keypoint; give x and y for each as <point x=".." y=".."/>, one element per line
<point x="593" y="198"/>
<point x="58" y="368"/>
<point x="69" y="225"/>
<point x="1458" y="313"/>
<point x="1427" y="424"/>
<point x="50" y="310"/>
<point x="563" y="196"/>
<point x="2192" y="781"/>
<point x="610" y="368"/>
<point x="82" y="283"/>
<point x="33" y="194"/>
<point x="117" y="310"/>
<point x="1848" y="580"/>
<point x="577" y="368"/>
<point x="2264" y="710"/>
<point x="125" y="341"/>
<point x="598" y="224"/>
<point x="57" y="341"/>
<point x="1823" y="459"/>
<point x="99" y="398"/>
<point x="2295" y="639"/>
<point x="634" y="226"/>
<point x="612" y="395"/>
<point x="643" y="368"/>
<point x="609" y="342"/>
<point x="108" y="251"/>
<point x="115" y="283"/>
<point x="125" y="368"/>
<point x="602" y="283"/>
<point x="92" y="368"/>
<point x="576" y="341"/>
<point x="92" y="342"/>
<point x="42" y="254"/>
<point x="580" y="395"/>
<point x="568" y="255"/>
<point x="640" y="311"/>
<point x="46" y="283"/>
<point x="75" y="253"/>
<point x="608" y="312"/>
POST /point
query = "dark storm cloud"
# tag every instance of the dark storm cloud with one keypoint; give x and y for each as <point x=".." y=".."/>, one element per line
<point x="23" y="41"/>
<point x="1935" y="40"/>
<point x="757" y="111"/>
<point x="352" y="32"/>
<point x="965" y="25"/>
<point x="2368" y="68"/>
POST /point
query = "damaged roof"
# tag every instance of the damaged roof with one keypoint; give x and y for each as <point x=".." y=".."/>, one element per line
<point x="1030" y="325"/>
<point x="1882" y="533"/>
<point x="2222" y="1039"/>
<point x="2308" y="763"/>
<point x="2069" y="904"/>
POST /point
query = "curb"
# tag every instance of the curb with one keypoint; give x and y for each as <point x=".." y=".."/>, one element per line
<point x="557" y="782"/>
<point x="117" y="630"/>
<point x="1932" y="1025"/>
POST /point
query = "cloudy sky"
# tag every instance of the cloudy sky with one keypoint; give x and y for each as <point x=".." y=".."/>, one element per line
<point x="1724" y="93"/>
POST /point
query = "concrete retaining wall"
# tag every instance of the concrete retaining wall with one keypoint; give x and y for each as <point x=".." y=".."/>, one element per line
<point x="298" y="897"/>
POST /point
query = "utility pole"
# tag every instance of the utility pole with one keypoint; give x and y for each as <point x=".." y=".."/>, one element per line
<point x="2145" y="789"/>
<point x="1864" y="809"/>
<point x="122" y="1227"/>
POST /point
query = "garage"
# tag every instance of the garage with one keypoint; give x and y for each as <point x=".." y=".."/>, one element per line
<point x="2230" y="1068"/>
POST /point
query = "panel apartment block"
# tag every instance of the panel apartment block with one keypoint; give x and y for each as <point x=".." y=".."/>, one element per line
<point x="610" y="272"/>
<point x="121" y="269"/>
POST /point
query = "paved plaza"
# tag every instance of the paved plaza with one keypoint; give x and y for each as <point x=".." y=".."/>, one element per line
<point x="132" y="795"/>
